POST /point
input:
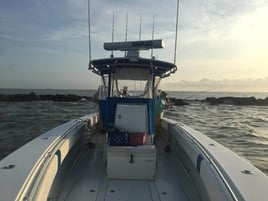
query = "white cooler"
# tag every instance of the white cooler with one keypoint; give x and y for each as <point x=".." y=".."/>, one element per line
<point x="126" y="162"/>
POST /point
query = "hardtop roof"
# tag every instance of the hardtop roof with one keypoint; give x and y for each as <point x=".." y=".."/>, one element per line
<point x="107" y="65"/>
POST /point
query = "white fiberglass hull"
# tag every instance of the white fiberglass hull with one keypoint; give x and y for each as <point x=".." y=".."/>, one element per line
<point x="59" y="166"/>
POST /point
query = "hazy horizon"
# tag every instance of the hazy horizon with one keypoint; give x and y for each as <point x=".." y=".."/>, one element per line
<point x="168" y="90"/>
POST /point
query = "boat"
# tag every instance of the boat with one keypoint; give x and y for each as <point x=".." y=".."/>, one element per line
<point x="124" y="160"/>
<point x="116" y="154"/>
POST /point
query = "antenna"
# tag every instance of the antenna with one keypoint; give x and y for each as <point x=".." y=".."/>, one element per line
<point x="176" y="35"/>
<point x="140" y="27"/>
<point x="126" y="31"/>
<point x="153" y="36"/>
<point x="126" y="27"/>
<point x="89" y="40"/>
<point x="112" y="55"/>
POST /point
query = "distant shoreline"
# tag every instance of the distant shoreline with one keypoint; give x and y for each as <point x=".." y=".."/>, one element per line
<point x="229" y="100"/>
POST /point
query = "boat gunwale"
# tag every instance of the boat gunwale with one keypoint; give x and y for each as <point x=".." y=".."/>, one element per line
<point x="46" y="144"/>
<point x="232" y="178"/>
<point x="211" y="161"/>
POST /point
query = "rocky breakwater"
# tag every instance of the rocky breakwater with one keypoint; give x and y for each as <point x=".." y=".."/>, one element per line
<point x="34" y="97"/>
<point x="174" y="101"/>
<point x="178" y="102"/>
<point x="237" y="101"/>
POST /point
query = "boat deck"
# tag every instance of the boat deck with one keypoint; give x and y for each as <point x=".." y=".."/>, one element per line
<point x="87" y="181"/>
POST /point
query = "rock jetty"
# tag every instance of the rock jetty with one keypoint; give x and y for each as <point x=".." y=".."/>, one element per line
<point x="178" y="102"/>
<point x="175" y="101"/>
<point x="237" y="101"/>
<point x="34" y="97"/>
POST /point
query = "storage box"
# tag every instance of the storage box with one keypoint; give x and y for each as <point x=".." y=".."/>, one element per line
<point x="118" y="138"/>
<point x="128" y="162"/>
<point x="135" y="139"/>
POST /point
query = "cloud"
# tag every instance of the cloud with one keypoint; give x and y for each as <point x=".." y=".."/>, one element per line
<point x="210" y="41"/>
<point x="239" y="85"/>
<point x="209" y="23"/>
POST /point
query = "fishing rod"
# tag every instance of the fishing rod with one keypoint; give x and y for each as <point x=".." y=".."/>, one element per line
<point x="89" y="39"/>
<point x="112" y="55"/>
<point x="126" y="32"/>
<point x="176" y="35"/>
<point x="152" y="50"/>
<point x="140" y="27"/>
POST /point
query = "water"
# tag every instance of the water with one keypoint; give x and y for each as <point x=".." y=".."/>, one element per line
<point x="243" y="129"/>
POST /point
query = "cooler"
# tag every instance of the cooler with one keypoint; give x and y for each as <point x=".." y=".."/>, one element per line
<point x="135" y="139"/>
<point x="128" y="162"/>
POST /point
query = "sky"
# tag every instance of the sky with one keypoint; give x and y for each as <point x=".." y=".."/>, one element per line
<point x="222" y="44"/>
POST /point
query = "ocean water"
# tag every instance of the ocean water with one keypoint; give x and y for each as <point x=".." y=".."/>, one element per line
<point x="243" y="129"/>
